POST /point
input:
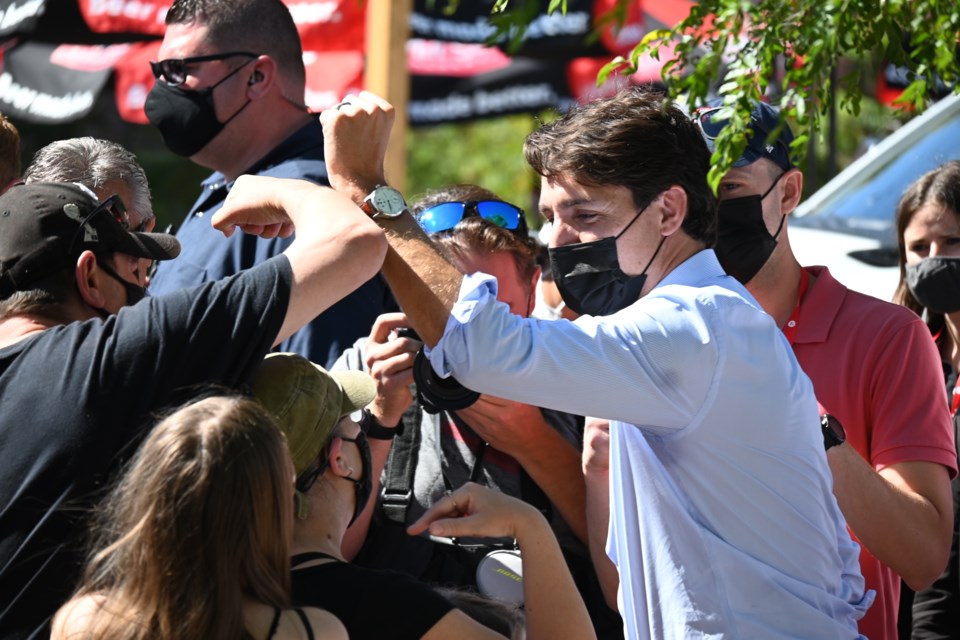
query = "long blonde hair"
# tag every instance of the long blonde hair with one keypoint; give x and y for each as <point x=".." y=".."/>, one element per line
<point x="201" y="520"/>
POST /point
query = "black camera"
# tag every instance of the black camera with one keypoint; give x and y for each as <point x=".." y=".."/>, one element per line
<point x="436" y="394"/>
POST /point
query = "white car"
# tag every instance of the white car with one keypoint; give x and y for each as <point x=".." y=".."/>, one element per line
<point x="848" y="224"/>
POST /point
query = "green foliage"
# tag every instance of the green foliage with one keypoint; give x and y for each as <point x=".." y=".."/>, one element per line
<point x="488" y="153"/>
<point x="786" y="49"/>
<point x="793" y="46"/>
<point x="511" y="26"/>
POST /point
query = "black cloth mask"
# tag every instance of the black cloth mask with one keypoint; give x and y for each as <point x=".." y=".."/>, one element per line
<point x="743" y="243"/>
<point x="935" y="283"/>
<point x="364" y="485"/>
<point x="589" y="277"/>
<point x="187" y="118"/>
<point x="135" y="293"/>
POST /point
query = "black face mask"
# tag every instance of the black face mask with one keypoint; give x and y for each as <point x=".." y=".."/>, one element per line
<point x="364" y="485"/>
<point x="135" y="293"/>
<point x="186" y="118"/>
<point x="589" y="278"/>
<point x="743" y="243"/>
<point x="935" y="283"/>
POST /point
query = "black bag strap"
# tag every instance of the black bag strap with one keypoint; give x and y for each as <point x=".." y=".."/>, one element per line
<point x="397" y="492"/>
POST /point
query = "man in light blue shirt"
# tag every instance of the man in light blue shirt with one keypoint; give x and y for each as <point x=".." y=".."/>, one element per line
<point x="722" y="521"/>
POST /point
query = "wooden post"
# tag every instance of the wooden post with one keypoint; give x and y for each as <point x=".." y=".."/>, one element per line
<point x="386" y="74"/>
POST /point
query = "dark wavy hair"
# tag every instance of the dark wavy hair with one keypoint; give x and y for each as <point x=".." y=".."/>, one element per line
<point x="635" y="139"/>
<point x="940" y="187"/>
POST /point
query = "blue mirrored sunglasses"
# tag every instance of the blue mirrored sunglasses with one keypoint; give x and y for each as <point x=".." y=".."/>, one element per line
<point x="445" y="216"/>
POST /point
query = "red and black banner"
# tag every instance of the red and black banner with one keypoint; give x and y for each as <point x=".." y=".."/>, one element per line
<point x="57" y="56"/>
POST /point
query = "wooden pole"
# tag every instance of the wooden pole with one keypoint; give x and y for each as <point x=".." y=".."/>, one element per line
<point x="388" y="28"/>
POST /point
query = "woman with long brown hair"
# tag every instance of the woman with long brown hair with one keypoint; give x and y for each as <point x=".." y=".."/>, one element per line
<point x="194" y="541"/>
<point x="928" y="239"/>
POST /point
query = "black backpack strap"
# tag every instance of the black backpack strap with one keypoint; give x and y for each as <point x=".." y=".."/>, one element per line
<point x="401" y="464"/>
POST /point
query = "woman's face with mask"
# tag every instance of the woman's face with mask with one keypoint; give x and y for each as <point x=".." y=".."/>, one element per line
<point x="931" y="244"/>
<point x="934" y="231"/>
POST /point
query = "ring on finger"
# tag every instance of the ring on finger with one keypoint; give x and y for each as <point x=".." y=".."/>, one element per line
<point x="449" y="494"/>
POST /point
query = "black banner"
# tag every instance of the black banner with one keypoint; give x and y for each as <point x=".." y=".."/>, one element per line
<point x="20" y="16"/>
<point x="525" y="86"/>
<point x="35" y="88"/>
<point x="555" y="36"/>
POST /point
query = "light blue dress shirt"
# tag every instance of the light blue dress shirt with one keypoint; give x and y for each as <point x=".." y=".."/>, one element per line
<point x="723" y="523"/>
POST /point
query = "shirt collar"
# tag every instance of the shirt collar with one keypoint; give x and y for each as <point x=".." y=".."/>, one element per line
<point x="305" y="139"/>
<point x="699" y="267"/>
<point x="820" y="308"/>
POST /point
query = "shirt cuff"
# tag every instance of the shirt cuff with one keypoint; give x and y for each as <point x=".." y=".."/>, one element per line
<point x="477" y="291"/>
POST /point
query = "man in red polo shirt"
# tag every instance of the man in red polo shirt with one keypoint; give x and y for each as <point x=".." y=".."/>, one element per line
<point x="873" y="367"/>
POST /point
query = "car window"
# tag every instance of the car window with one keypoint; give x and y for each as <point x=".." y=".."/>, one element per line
<point x="874" y="194"/>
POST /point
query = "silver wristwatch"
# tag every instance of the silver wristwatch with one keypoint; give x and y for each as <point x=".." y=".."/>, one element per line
<point x="384" y="202"/>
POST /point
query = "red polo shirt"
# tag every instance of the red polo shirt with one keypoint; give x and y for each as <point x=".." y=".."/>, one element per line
<point x="875" y="367"/>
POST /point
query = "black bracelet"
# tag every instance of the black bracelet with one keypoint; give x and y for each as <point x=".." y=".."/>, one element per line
<point x="376" y="431"/>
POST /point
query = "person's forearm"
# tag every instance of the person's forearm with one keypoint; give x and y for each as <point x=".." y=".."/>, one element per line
<point x="903" y="529"/>
<point x="552" y="604"/>
<point x="424" y="284"/>
<point x="337" y="249"/>
<point x="554" y="464"/>
<point x="598" y="521"/>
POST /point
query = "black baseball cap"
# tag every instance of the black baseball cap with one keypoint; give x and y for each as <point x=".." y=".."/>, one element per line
<point x="45" y="226"/>
<point x="763" y="120"/>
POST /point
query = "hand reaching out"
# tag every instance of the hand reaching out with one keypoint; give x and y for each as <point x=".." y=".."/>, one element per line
<point x="511" y="427"/>
<point x="389" y="359"/>
<point x="476" y="511"/>
<point x="553" y="605"/>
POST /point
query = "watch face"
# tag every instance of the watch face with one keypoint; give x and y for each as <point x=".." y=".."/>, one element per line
<point x="388" y="201"/>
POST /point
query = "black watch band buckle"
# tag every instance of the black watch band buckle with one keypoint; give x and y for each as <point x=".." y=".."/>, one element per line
<point x="372" y="428"/>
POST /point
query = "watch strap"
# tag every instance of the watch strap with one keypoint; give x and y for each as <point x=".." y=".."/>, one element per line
<point x="367" y="205"/>
<point x="830" y="436"/>
<point x="376" y="431"/>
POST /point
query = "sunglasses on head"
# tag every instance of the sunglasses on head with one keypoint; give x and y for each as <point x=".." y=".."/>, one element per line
<point x="446" y="215"/>
<point x="114" y="207"/>
<point x="711" y="125"/>
<point x="173" y="71"/>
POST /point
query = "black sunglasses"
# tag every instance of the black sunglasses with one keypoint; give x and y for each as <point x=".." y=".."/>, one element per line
<point x="711" y="125"/>
<point x="173" y="71"/>
<point x="307" y="479"/>
<point x="114" y="207"/>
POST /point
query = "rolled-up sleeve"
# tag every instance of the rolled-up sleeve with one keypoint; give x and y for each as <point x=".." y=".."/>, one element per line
<point x="624" y="367"/>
